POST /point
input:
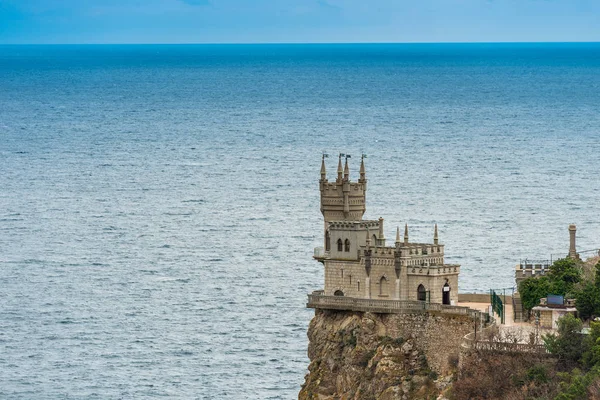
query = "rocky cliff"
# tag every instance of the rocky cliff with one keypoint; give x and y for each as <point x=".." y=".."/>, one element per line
<point x="355" y="355"/>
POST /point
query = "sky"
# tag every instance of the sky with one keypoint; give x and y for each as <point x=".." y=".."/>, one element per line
<point x="297" y="21"/>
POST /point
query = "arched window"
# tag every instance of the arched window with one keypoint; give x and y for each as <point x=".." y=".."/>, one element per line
<point x="383" y="286"/>
<point x="375" y="240"/>
<point x="421" y="293"/>
<point x="358" y="285"/>
<point x="338" y="293"/>
<point x="340" y="245"/>
<point x="327" y="241"/>
<point x="347" y="245"/>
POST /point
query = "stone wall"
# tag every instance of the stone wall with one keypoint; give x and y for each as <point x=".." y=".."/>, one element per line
<point x="350" y="277"/>
<point x="546" y="319"/>
<point x="438" y="336"/>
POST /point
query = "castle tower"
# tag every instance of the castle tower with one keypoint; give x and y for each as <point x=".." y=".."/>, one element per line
<point x="343" y="200"/>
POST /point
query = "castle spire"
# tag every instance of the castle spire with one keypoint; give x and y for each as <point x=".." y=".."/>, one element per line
<point x="368" y="239"/>
<point x="406" y="234"/>
<point x="363" y="175"/>
<point x="397" y="236"/>
<point x="435" y="235"/>
<point x="339" y="170"/>
<point x="323" y="171"/>
<point x="346" y="170"/>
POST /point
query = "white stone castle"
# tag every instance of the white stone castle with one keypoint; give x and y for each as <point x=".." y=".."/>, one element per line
<point x="357" y="262"/>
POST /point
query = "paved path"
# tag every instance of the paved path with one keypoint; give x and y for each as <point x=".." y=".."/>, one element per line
<point x="519" y="331"/>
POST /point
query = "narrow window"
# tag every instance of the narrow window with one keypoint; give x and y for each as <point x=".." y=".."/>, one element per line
<point x="350" y="279"/>
<point x="340" y="245"/>
<point x="347" y="247"/>
<point x="342" y="274"/>
<point x="327" y="241"/>
<point x="383" y="287"/>
<point x="421" y="293"/>
<point x="358" y="284"/>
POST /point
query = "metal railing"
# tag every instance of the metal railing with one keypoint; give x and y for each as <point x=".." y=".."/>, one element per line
<point x="480" y="341"/>
<point x="318" y="300"/>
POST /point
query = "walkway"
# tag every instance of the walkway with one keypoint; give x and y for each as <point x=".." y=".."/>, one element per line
<point x="518" y="332"/>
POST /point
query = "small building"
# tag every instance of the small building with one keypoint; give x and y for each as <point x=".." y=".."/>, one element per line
<point x="358" y="263"/>
<point x="551" y="309"/>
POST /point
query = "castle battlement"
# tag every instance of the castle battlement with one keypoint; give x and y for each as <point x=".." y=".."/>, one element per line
<point x="356" y="260"/>
<point x="362" y="225"/>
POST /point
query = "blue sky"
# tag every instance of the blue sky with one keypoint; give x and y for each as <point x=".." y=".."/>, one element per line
<point x="276" y="21"/>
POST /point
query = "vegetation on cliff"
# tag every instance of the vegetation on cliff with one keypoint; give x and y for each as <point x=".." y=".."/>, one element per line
<point x="570" y="372"/>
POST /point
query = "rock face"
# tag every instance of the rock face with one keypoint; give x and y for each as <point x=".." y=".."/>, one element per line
<point x="357" y="355"/>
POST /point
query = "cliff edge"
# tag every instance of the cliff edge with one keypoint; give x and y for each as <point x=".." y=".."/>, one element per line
<point x="356" y="355"/>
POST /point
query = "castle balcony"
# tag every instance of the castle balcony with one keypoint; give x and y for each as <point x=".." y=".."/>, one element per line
<point x="320" y="254"/>
<point x="319" y="301"/>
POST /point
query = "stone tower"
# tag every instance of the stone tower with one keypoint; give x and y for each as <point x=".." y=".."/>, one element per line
<point x="343" y="200"/>
<point x="572" y="246"/>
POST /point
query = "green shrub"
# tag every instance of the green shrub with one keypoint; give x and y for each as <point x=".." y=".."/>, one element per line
<point x="587" y="301"/>
<point x="568" y="345"/>
<point x="537" y="374"/>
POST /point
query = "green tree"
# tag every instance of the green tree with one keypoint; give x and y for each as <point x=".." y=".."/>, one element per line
<point x="574" y="385"/>
<point x="533" y="289"/>
<point x="597" y="276"/>
<point x="587" y="301"/>
<point x="565" y="270"/>
<point x="591" y="357"/>
<point x="568" y="345"/>
<point x="560" y="280"/>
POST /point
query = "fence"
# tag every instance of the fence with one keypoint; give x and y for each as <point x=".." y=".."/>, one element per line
<point x="318" y="300"/>
<point x="481" y="341"/>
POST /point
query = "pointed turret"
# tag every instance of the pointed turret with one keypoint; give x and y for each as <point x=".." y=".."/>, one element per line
<point x="323" y="171"/>
<point x="397" y="236"/>
<point x="363" y="175"/>
<point x="435" y="235"/>
<point x="368" y="239"/>
<point x="339" y="170"/>
<point x="406" y="234"/>
<point x="346" y="170"/>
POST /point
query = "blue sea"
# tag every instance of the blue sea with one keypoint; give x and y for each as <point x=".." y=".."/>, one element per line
<point x="159" y="205"/>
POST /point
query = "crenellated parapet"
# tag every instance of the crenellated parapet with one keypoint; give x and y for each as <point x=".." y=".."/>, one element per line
<point x="342" y="199"/>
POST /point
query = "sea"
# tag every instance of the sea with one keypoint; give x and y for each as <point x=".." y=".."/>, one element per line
<point x="159" y="204"/>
